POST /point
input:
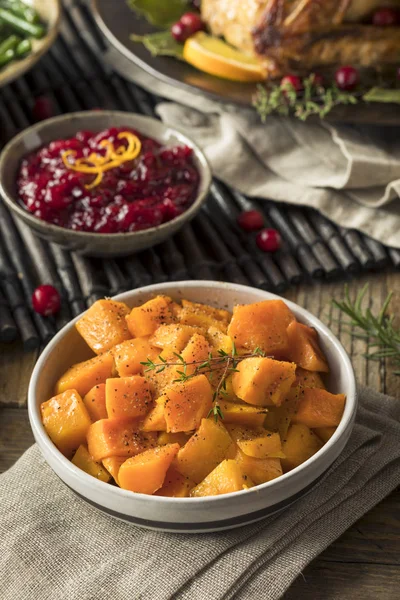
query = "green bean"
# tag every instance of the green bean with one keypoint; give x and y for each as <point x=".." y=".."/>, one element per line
<point x="21" y="10"/>
<point x="20" y="25"/>
<point x="9" y="43"/>
<point x="7" y="57"/>
<point x="24" y="47"/>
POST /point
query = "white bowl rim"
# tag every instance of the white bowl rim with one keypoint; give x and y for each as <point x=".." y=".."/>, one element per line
<point x="77" y="473"/>
<point x="203" y="169"/>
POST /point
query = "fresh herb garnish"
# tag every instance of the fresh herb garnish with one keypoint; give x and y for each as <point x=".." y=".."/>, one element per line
<point x="378" y="331"/>
<point x="160" y="43"/>
<point x="161" y="13"/>
<point x="377" y="94"/>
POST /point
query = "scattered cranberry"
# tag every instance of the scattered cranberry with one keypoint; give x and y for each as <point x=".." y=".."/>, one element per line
<point x="189" y="24"/>
<point x="46" y="300"/>
<point x="347" y="78"/>
<point x="43" y="108"/>
<point x="386" y="17"/>
<point x="292" y="80"/>
<point x="179" y="33"/>
<point x="250" y="220"/>
<point x="269" y="240"/>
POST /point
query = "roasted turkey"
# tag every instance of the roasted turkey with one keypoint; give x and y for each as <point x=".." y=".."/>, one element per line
<point x="305" y="34"/>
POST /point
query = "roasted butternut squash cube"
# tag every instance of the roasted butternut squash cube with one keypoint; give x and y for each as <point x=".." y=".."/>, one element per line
<point x="103" y="325"/>
<point x="95" y="402"/>
<point x="129" y="355"/>
<point x="263" y="381"/>
<point x="172" y="438"/>
<point x="325" y="433"/>
<point x="160" y="381"/>
<point x="118" y="437"/>
<point x="300" y="444"/>
<point x="227" y="477"/>
<point x="66" y="420"/>
<point x="199" y="318"/>
<point x="219" y="341"/>
<point x="112" y="465"/>
<point x="242" y="414"/>
<point x="219" y="314"/>
<point x="279" y="417"/>
<point x="128" y="396"/>
<point x="173" y="337"/>
<point x="207" y="447"/>
<point x="155" y="420"/>
<point x="143" y="320"/>
<point x="309" y="379"/>
<point x="262" y="325"/>
<point x="258" y="443"/>
<point x="319" y="408"/>
<point x="85" y="375"/>
<point x="187" y="403"/>
<point x="84" y="461"/>
<point x="175" y="485"/>
<point x="145" y="473"/>
<point x="259" y="470"/>
<point x="304" y="349"/>
<point x="195" y="352"/>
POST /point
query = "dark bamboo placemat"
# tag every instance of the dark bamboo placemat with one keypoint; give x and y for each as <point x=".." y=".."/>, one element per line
<point x="71" y="77"/>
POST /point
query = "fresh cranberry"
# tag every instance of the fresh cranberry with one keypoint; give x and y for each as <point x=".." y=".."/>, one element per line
<point x="192" y="22"/>
<point x="291" y="81"/>
<point x="250" y="220"/>
<point x="43" y="108"/>
<point x="347" y="78"/>
<point x="269" y="240"/>
<point x="46" y="300"/>
<point x="386" y="17"/>
<point x="179" y="33"/>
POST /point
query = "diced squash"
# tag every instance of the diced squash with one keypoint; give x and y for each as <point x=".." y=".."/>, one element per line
<point x="95" y="402"/>
<point x="280" y="417"/>
<point x="219" y="341"/>
<point x="198" y="318"/>
<point x="227" y="394"/>
<point x="175" y="485"/>
<point x="263" y="381"/>
<point x="259" y="470"/>
<point x="309" y="379"/>
<point x="300" y="444"/>
<point x="84" y="461"/>
<point x="242" y="414"/>
<point x="262" y="325"/>
<point x="325" y="433"/>
<point x="258" y="443"/>
<point x="218" y="314"/>
<point x="196" y="351"/>
<point x="128" y="396"/>
<point x="112" y="464"/>
<point x="304" y="349"/>
<point x="187" y="403"/>
<point x="173" y="337"/>
<point x="210" y="445"/>
<point x="155" y="420"/>
<point x="129" y="355"/>
<point x="85" y="375"/>
<point x="161" y="380"/>
<point x="66" y="420"/>
<point x="172" y="438"/>
<point x="227" y="477"/>
<point x="103" y="325"/>
<point x="145" y="473"/>
<point x="143" y="320"/>
<point x="319" y="408"/>
<point x="118" y="437"/>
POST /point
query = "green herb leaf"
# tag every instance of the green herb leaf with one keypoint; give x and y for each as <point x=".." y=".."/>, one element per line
<point x="160" y="44"/>
<point x="377" y="94"/>
<point x="161" y="13"/>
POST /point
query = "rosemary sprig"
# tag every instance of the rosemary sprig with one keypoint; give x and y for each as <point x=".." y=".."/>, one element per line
<point x="382" y="338"/>
<point x="224" y="364"/>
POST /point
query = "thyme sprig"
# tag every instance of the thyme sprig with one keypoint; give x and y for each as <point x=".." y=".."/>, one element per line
<point x="223" y="363"/>
<point x="382" y="337"/>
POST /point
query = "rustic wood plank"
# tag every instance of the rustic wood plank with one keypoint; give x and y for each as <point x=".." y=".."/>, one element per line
<point x="15" y="371"/>
<point x="15" y="435"/>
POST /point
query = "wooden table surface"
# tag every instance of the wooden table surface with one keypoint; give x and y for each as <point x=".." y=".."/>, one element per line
<point x="364" y="564"/>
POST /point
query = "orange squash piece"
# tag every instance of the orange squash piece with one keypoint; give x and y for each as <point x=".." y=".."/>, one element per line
<point x="129" y="355"/>
<point x="227" y="477"/>
<point x="300" y="444"/>
<point x="66" y="420"/>
<point x="319" y="408"/>
<point x="187" y="403"/>
<point x="85" y="375"/>
<point x="258" y="443"/>
<point x="219" y="314"/>
<point x="262" y="325"/>
<point x="84" y="461"/>
<point x="95" y="402"/>
<point x="280" y="417"/>
<point x="128" y="396"/>
<point x="118" y="437"/>
<point x="304" y="349"/>
<point x="219" y="341"/>
<point x="173" y="337"/>
<point x="309" y="379"/>
<point x="259" y="470"/>
<point x="155" y="420"/>
<point x="207" y="447"/>
<point x="145" y="473"/>
<point x="196" y="351"/>
<point x="143" y="320"/>
<point x="263" y="381"/>
<point x="199" y="318"/>
<point x="103" y="325"/>
<point x="175" y="485"/>
<point x="112" y="465"/>
<point x="242" y="414"/>
<point x="172" y="438"/>
<point x="325" y="433"/>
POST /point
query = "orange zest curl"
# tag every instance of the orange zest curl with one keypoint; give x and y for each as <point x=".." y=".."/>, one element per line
<point x="98" y="164"/>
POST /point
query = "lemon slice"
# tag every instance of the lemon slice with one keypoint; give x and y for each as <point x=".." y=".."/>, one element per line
<point x="214" y="56"/>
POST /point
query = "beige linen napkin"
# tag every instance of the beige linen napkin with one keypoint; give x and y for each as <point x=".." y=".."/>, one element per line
<point x="346" y="172"/>
<point x="54" y="546"/>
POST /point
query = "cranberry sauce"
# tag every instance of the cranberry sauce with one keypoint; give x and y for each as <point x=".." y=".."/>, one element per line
<point x="157" y="186"/>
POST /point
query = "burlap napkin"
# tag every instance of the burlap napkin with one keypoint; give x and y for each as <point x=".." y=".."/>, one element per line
<point x="56" y="547"/>
<point x="350" y="174"/>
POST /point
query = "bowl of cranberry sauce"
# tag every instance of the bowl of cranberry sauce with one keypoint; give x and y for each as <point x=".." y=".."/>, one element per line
<point x="103" y="183"/>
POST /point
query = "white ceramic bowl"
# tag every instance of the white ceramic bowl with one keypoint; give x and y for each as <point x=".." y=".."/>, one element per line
<point x="192" y="514"/>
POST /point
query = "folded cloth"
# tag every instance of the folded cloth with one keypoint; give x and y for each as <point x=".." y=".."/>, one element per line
<point x="345" y="172"/>
<point x="57" y="547"/>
